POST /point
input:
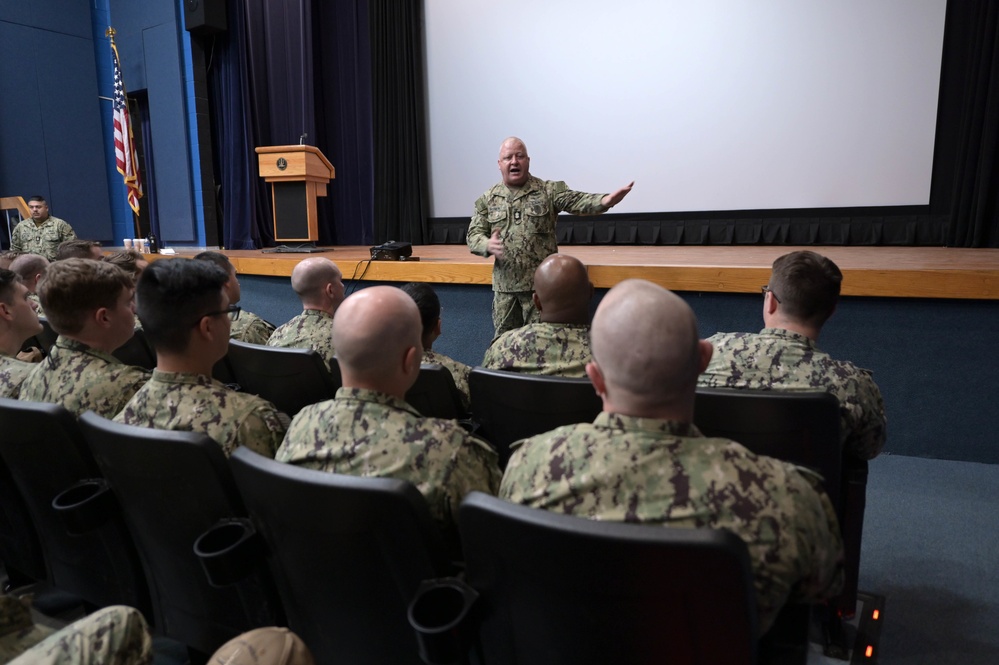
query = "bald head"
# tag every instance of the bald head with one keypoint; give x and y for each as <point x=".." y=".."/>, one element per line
<point x="376" y="334"/>
<point x="29" y="267"/>
<point x="514" y="162"/>
<point x="563" y="290"/>
<point x="318" y="283"/>
<point x="646" y="347"/>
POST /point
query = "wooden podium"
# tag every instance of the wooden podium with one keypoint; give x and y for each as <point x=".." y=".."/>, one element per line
<point x="298" y="174"/>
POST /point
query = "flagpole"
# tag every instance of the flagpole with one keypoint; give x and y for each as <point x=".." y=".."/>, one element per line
<point x="126" y="157"/>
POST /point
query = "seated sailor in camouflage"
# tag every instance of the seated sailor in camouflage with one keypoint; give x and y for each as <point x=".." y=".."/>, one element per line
<point x="430" y="316"/>
<point x="18" y="322"/>
<point x="368" y="429"/>
<point x="642" y="460"/>
<point x="558" y="344"/>
<point x="246" y="326"/>
<point x="91" y="305"/>
<point x="115" y="635"/>
<point x="319" y="285"/>
<point x="131" y="262"/>
<point x="31" y="268"/>
<point x="801" y="296"/>
<point x="184" y="311"/>
<point x="42" y="233"/>
<point x="79" y="249"/>
<point x="514" y="221"/>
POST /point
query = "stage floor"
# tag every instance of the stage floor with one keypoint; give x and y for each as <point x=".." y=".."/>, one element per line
<point x="905" y="272"/>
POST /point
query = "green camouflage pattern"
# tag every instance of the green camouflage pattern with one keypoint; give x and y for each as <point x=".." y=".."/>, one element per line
<point x="43" y="239"/>
<point x="250" y="328"/>
<point x="83" y="379"/>
<point x="196" y="403"/>
<point x="116" y="635"/>
<point x="778" y="359"/>
<point x="312" y="329"/>
<point x="459" y="371"/>
<point x="513" y="310"/>
<point x="642" y="470"/>
<point x="552" y="349"/>
<point x="13" y="372"/>
<point x="367" y="433"/>
<point x="526" y="219"/>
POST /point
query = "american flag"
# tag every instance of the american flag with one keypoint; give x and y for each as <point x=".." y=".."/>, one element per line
<point x="124" y="147"/>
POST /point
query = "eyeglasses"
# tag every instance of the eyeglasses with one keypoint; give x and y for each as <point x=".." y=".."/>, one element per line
<point x="766" y="289"/>
<point x="231" y="309"/>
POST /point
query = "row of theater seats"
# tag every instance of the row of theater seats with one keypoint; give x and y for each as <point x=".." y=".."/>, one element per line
<point x="799" y="427"/>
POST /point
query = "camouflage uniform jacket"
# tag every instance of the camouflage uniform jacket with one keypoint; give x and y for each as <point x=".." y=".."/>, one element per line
<point x="250" y="328"/>
<point x="554" y="349"/>
<point x="196" y="403"/>
<point x="43" y="239"/>
<point x="526" y="220"/>
<point x="778" y="359"/>
<point x="12" y="375"/>
<point x="367" y="433"/>
<point x="81" y="379"/>
<point x="643" y="470"/>
<point x="459" y="371"/>
<point x="115" y="635"/>
<point x="312" y="329"/>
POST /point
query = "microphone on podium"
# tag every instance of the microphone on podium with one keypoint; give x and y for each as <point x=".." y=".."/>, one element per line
<point x="301" y="139"/>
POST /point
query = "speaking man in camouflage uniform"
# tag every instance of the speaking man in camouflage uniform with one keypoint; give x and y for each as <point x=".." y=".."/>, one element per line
<point x="514" y="221"/>
<point x="41" y="234"/>
<point x="18" y="322"/>
<point x="368" y="429"/>
<point x="558" y="344"/>
<point x="248" y="327"/>
<point x="30" y="268"/>
<point x="115" y="635"/>
<point x="185" y="311"/>
<point x="642" y="460"/>
<point x="430" y="316"/>
<point x="91" y="306"/>
<point x="319" y="285"/>
<point x="802" y="294"/>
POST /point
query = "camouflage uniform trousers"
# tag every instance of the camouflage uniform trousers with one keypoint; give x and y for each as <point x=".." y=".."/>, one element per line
<point x="250" y="328"/>
<point x="13" y="372"/>
<point x="553" y="349"/>
<point x="81" y="379"/>
<point x="312" y="329"/>
<point x="644" y="470"/>
<point x="779" y="359"/>
<point x="513" y="310"/>
<point x="196" y="403"/>
<point x="115" y="635"/>
<point x="525" y="218"/>
<point x="371" y="434"/>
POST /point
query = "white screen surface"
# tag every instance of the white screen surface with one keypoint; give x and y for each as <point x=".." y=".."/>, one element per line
<point x="705" y="104"/>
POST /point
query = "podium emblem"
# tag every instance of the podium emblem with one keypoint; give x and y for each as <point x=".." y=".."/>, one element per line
<point x="282" y="163"/>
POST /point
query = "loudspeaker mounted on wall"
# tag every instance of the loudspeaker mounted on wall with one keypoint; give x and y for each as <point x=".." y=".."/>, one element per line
<point x="204" y="17"/>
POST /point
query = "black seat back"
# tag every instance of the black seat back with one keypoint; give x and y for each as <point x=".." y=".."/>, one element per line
<point x="509" y="406"/>
<point x="561" y="589"/>
<point x="435" y="394"/>
<point x="137" y="351"/>
<point x="347" y="555"/>
<point x="44" y="448"/>
<point x="172" y="487"/>
<point x="291" y="379"/>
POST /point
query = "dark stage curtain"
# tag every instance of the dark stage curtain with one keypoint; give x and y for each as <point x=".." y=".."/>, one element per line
<point x="401" y="183"/>
<point x="969" y="96"/>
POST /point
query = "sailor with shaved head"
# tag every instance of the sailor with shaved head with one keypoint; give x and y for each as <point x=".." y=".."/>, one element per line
<point x="558" y="344"/>
<point x="368" y="429"/>
<point x="643" y="461"/>
<point x="319" y="285"/>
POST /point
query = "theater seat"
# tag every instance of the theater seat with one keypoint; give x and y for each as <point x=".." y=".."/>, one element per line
<point x="508" y="406"/>
<point x="561" y="589"/>
<point x="44" y="449"/>
<point x="137" y="351"/>
<point x="172" y="487"/>
<point x="291" y="379"/>
<point x="347" y="554"/>
<point x="435" y="394"/>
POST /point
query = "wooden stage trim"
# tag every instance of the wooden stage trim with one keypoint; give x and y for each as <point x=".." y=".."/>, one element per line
<point x="898" y="272"/>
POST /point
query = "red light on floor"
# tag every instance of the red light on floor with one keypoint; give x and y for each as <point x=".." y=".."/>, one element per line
<point x="876" y="614"/>
<point x="869" y="651"/>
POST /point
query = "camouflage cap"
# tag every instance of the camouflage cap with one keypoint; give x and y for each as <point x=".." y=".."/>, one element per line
<point x="264" y="646"/>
